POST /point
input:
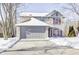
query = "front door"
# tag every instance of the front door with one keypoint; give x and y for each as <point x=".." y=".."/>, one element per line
<point x="57" y="33"/>
<point x="54" y="32"/>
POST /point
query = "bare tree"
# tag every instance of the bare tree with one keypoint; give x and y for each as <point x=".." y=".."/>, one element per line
<point x="8" y="17"/>
<point x="74" y="7"/>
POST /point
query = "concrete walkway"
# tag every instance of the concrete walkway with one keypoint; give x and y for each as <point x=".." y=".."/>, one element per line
<point x="38" y="48"/>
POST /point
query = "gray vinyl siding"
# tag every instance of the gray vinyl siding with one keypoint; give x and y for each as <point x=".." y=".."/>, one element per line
<point x="32" y="32"/>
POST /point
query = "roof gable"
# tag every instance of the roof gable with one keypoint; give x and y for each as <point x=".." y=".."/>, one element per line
<point x="55" y="13"/>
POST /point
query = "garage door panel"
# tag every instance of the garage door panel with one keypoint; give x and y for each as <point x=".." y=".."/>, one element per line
<point x="32" y="32"/>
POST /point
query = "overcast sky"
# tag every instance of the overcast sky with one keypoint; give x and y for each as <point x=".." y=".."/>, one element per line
<point x="48" y="7"/>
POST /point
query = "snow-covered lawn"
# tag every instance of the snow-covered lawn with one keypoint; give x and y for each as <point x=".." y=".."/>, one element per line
<point x="66" y="41"/>
<point x="5" y="44"/>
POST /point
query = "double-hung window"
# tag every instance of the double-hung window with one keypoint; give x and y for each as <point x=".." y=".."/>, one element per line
<point x="56" y="21"/>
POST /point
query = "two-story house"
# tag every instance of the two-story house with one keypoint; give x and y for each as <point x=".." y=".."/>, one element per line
<point x="41" y="25"/>
<point x="56" y="20"/>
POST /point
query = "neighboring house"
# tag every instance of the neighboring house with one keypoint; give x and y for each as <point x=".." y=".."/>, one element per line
<point x="41" y="25"/>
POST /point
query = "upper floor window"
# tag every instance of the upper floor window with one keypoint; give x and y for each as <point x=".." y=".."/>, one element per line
<point x="59" y="21"/>
<point x="56" y="21"/>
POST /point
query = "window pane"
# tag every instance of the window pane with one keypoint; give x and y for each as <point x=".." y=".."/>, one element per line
<point x="59" y="21"/>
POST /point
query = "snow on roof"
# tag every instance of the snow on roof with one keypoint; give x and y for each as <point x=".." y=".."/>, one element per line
<point x="33" y="22"/>
<point x="32" y="14"/>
